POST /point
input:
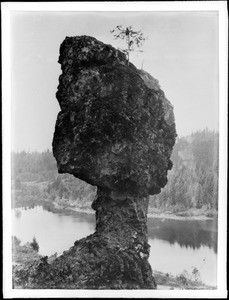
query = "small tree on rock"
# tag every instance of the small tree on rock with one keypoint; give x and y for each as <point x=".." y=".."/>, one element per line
<point x="132" y="38"/>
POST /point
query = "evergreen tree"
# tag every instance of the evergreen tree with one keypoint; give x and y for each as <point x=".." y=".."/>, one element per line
<point x="134" y="39"/>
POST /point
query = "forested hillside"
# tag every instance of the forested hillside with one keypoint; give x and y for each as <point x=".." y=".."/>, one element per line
<point x="35" y="178"/>
<point x="193" y="180"/>
<point x="192" y="183"/>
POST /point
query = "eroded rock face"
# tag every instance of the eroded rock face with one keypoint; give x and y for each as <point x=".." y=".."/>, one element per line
<point x="115" y="130"/>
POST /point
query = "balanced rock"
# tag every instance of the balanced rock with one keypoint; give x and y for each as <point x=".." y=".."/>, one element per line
<point x="116" y="131"/>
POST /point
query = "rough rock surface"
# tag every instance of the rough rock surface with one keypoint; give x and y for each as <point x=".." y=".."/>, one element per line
<point x="115" y="130"/>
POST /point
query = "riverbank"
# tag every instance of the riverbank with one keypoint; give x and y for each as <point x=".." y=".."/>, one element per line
<point x="192" y="214"/>
<point x="25" y="254"/>
<point x="178" y="282"/>
<point x="189" y="215"/>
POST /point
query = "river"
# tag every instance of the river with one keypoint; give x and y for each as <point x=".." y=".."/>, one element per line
<point x="176" y="245"/>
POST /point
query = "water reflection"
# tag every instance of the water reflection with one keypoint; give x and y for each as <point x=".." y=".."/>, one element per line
<point x="174" y="259"/>
<point x="81" y="217"/>
<point x="192" y="234"/>
<point x="55" y="232"/>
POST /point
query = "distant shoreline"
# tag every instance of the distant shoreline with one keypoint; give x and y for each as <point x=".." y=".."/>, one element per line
<point x="182" y="218"/>
<point x="194" y="215"/>
<point x="160" y="215"/>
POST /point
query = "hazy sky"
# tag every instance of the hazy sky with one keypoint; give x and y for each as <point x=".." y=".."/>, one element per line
<point x="181" y="52"/>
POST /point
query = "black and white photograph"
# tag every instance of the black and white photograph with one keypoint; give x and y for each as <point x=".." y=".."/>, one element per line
<point x="114" y="149"/>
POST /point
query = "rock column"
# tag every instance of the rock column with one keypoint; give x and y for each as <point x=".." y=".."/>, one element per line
<point x="115" y="130"/>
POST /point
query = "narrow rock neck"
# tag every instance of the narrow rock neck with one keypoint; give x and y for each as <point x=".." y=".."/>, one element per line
<point x="122" y="222"/>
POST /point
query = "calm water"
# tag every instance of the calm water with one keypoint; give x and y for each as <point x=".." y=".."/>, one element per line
<point x="175" y="245"/>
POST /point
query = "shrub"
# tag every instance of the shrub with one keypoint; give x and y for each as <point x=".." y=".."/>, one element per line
<point x="196" y="274"/>
<point x="183" y="277"/>
<point x="34" y="244"/>
<point x="15" y="241"/>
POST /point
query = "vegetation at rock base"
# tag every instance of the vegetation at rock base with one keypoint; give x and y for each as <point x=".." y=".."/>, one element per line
<point x="23" y="253"/>
<point x="183" y="281"/>
<point x="192" y="182"/>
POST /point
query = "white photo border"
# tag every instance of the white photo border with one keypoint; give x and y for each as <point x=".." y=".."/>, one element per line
<point x="221" y="8"/>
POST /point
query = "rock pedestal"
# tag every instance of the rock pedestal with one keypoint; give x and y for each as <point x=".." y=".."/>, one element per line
<point x="116" y="131"/>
